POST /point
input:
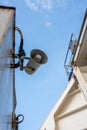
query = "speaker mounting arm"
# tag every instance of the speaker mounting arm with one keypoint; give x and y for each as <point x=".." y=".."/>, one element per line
<point x="21" y="52"/>
<point x="37" y="57"/>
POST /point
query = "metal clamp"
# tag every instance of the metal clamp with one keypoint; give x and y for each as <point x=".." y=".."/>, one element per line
<point x="15" y="120"/>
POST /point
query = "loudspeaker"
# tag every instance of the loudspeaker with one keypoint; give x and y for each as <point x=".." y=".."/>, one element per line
<point x="37" y="58"/>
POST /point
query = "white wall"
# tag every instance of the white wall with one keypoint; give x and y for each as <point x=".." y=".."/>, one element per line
<point x="72" y="115"/>
<point x="76" y="121"/>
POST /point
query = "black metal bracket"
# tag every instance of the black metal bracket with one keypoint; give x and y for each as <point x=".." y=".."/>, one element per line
<point x="69" y="56"/>
<point x="16" y="120"/>
<point x="21" y="53"/>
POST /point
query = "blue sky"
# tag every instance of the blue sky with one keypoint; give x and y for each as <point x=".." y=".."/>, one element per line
<point x="46" y="25"/>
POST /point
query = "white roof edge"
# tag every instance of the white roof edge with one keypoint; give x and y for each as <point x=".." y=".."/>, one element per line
<point x="60" y="100"/>
<point x="64" y="94"/>
<point x="81" y="36"/>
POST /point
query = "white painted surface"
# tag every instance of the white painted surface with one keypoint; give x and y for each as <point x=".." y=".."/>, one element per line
<point x="49" y="123"/>
<point x="5" y="17"/>
<point x="80" y="40"/>
<point x="81" y="80"/>
<point x="83" y="70"/>
<point x="72" y="102"/>
<point x="76" y="121"/>
<point x="6" y="74"/>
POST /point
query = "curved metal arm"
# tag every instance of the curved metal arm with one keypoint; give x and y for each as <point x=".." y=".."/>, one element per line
<point x="19" y="30"/>
<point x="21" y="52"/>
<point x="15" y="120"/>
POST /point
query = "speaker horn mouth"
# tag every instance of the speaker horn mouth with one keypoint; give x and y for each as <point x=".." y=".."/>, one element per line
<point x="35" y="52"/>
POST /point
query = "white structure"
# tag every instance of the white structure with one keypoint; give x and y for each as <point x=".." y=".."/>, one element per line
<point x="70" y="112"/>
<point x="7" y="83"/>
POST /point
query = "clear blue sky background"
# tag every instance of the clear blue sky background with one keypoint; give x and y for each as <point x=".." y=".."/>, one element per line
<point x="46" y="25"/>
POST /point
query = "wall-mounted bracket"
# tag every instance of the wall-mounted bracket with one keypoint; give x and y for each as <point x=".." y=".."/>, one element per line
<point x="16" y="120"/>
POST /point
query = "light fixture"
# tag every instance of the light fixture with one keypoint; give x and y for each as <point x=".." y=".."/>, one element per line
<point x="36" y="59"/>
